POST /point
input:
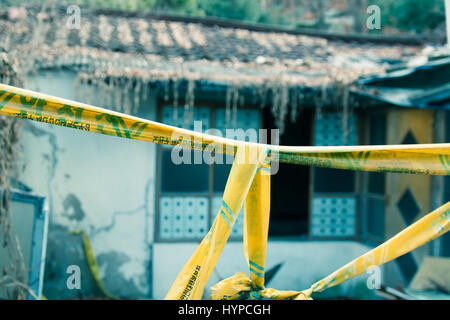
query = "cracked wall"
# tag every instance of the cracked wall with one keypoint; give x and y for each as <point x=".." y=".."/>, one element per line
<point x="101" y="184"/>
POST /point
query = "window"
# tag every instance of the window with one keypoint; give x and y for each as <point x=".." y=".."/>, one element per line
<point x="190" y="195"/>
<point x="29" y="220"/>
<point x="333" y="200"/>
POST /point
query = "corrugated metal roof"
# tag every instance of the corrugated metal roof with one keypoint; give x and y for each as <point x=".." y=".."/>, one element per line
<point x="423" y="86"/>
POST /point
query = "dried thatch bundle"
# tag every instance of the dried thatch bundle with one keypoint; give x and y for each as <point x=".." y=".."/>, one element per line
<point x="9" y="138"/>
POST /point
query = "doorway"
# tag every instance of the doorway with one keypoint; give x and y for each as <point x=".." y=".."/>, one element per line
<point x="289" y="204"/>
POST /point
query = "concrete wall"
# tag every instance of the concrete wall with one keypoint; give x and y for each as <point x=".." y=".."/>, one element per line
<point x="101" y="184"/>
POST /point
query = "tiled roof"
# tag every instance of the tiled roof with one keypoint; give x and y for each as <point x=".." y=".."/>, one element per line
<point x="8" y="74"/>
<point x="153" y="47"/>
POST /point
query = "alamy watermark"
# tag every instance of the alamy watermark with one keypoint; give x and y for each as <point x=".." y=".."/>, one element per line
<point x="373" y="21"/>
<point x="74" y="279"/>
<point x="374" y="280"/>
<point x="217" y="152"/>
<point x="74" y="17"/>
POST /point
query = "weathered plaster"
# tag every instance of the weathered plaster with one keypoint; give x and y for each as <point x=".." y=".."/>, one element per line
<point x="101" y="184"/>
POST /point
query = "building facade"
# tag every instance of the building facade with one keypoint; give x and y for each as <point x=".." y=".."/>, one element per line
<point x="145" y="215"/>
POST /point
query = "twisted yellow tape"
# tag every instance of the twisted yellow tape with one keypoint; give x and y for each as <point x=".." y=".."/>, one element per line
<point x="191" y="280"/>
<point x="420" y="158"/>
<point x="425" y="158"/>
<point x="92" y="263"/>
<point x="252" y="182"/>
<point x="431" y="226"/>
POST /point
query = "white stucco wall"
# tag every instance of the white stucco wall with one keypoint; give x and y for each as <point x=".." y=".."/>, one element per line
<point x="101" y="184"/>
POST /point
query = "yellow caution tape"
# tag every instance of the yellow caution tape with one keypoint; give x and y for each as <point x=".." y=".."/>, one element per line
<point x="256" y="227"/>
<point x="420" y="158"/>
<point x="256" y="224"/>
<point x="93" y="266"/>
<point x="192" y="279"/>
<point x="242" y="184"/>
<point x="424" y="230"/>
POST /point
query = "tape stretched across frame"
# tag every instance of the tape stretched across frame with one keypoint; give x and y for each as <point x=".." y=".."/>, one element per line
<point x="418" y="158"/>
<point x="247" y="181"/>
